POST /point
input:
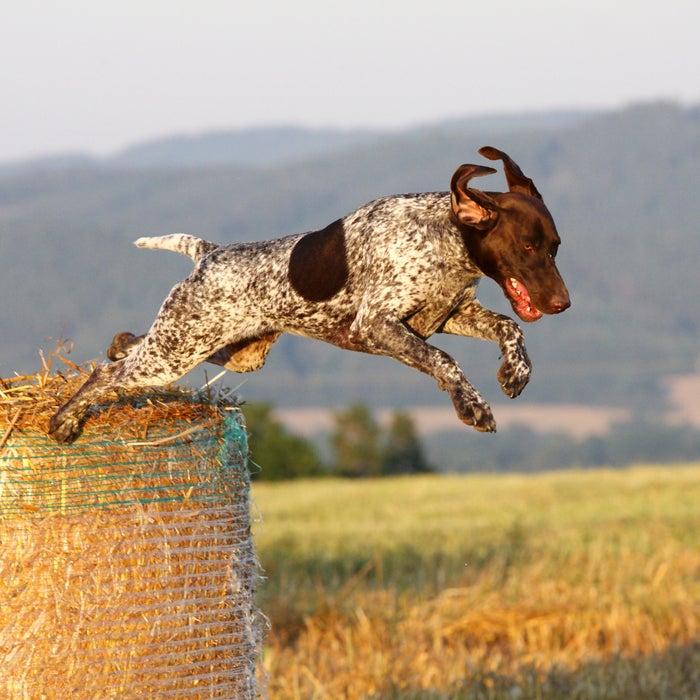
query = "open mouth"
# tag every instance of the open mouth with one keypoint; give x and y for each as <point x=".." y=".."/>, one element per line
<point x="520" y="300"/>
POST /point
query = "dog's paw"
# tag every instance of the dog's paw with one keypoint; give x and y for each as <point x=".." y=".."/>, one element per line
<point x="514" y="373"/>
<point x="513" y="376"/>
<point x="64" y="428"/>
<point x="473" y="410"/>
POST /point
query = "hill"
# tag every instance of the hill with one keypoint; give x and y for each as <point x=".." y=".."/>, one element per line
<point x="250" y="147"/>
<point x="620" y="186"/>
<point x="265" y="146"/>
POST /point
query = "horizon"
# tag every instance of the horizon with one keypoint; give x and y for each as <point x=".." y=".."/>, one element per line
<point x="381" y="130"/>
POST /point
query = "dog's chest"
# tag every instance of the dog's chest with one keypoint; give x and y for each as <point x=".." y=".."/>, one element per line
<point x="437" y="308"/>
<point x="424" y="277"/>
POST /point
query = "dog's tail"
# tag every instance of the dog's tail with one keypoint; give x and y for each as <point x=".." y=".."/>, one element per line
<point x="183" y="243"/>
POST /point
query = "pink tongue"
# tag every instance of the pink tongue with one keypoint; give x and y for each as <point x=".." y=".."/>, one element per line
<point x="520" y="300"/>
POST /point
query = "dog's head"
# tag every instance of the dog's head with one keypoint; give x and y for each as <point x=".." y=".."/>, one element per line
<point x="511" y="236"/>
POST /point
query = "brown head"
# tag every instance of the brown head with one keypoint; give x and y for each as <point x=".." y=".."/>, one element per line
<point x="511" y="237"/>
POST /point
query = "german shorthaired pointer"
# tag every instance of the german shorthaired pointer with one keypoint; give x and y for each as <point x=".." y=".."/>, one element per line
<point x="380" y="280"/>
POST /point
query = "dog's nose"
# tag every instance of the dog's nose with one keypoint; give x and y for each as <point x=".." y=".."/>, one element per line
<point x="560" y="303"/>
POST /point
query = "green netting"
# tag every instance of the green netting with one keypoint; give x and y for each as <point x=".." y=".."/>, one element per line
<point x="102" y="473"/>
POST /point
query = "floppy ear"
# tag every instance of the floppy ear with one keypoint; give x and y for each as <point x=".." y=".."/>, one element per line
<point x="472" y="207"/>
<point x="517" y="182"/>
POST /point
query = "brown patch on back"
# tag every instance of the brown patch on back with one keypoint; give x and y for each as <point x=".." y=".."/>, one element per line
<point x="318" y="265"/>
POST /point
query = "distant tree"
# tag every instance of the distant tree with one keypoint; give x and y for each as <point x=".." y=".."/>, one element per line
<point x="278" y="453"/>
<point x="360" y="448"/>
<point x="403" y="451"/>
<point x="355" y="442"/>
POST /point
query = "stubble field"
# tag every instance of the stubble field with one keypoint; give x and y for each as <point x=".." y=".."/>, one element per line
<point x="577" y="584"/>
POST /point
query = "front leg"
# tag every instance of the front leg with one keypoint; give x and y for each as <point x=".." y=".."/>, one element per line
<point x="391" y="337"/>
<point x="472" y="319"/>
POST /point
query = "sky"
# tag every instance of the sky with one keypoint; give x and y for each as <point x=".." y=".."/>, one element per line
<point x="94" y="76"/>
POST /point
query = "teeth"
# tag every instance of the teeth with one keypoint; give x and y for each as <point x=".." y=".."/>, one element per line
<point x="516" y="288"/>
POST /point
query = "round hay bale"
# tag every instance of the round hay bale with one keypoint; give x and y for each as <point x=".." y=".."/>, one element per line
<point x="127" y="568"/>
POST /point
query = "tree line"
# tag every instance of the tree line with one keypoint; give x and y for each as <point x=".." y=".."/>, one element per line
<point x="358" y="446"/>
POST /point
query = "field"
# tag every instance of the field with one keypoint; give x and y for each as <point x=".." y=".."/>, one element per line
<point x="580" y="584"/>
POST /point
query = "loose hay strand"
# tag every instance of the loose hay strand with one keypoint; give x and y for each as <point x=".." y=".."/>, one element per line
<point x="10" y="427"/>
<point x="127" y="567"/>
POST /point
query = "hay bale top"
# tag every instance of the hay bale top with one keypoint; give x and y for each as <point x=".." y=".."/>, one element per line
<point x="140" y="443"/>
<point x="28" y="402"/>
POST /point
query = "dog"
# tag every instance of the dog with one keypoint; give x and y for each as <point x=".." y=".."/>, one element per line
<point x="380" y="280"/>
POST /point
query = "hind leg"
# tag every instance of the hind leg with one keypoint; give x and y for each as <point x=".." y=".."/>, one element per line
<point x="176" y="343"/>
<point x="241" y="356"/>
<point x="148" y="361"/>
<point x="66" y="424"/>
<point x="147" y="365"/>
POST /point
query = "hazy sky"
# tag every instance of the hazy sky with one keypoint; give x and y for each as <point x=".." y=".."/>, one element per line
<point x="96" y="75"/>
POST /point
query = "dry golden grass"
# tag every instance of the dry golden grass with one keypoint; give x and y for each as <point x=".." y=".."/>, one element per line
<point x="126" y="563"/>
<point x="568" y="585"/>
<point x="27" y="403"/>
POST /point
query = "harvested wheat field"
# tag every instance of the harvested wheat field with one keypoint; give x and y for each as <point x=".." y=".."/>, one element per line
<point x="126" y="563"/>
<point x="581" y="584"/>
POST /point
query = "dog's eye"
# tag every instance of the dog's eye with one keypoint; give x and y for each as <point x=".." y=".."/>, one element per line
<point x="528" y="247"/>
